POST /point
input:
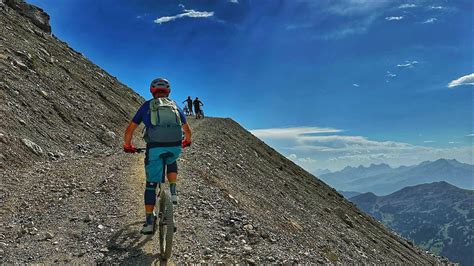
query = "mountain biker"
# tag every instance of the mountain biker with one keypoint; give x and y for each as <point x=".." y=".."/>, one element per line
<point x="164" y="123"/>
<point x="189" y="101"/>
<point x="197" y="107"/>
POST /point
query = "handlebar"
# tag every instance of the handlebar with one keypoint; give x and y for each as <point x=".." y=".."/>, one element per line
<point x="140" y="150"/>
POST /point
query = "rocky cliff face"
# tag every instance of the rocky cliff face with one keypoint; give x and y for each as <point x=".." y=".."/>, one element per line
<point x="36" y="15"/>
<point x="54" y="101"/>
<point x="70" y="196"/>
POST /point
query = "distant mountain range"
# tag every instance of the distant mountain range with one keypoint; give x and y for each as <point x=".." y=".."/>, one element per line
<point x="438" y="217"/>
<point x="382" y="179"/>
<point x="319" y="172"/>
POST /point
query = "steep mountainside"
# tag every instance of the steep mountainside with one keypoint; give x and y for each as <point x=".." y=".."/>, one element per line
<point x="436" y="216"/>
<point x="69" y="195"/>
<point x="53" y="101"/>
<point x="382" y="179"/>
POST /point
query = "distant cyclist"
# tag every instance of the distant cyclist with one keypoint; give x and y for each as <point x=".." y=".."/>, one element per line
<point x="164" y="123"/>
<point x="189" y="102"/>
<point x="197" y="107"/>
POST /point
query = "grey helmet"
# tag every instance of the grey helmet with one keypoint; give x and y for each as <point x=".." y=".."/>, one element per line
<point x="160" y="85"/>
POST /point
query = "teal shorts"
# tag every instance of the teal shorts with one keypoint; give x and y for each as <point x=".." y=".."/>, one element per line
<point x="154" y="164"/>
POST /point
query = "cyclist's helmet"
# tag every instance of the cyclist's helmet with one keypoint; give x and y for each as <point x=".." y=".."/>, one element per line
<point x="160" y="85"/>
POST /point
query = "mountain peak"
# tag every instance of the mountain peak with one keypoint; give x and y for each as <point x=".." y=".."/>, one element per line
<point x="447" y="161"/>
<point x="380" y="166"/>
<point x="35" y="14"/>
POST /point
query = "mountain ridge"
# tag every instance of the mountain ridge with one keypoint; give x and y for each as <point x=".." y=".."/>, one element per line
<point x="383" y="179"/>
<point x="436" y="216"/>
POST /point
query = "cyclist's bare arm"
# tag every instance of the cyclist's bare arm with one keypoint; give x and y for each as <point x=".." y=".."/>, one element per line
<point x="129" y="133"/>
<point x="187" y="132"/>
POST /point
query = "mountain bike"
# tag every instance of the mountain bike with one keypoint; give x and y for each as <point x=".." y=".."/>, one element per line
<point x="200" y="114"/>
<point x="163" y="213"/>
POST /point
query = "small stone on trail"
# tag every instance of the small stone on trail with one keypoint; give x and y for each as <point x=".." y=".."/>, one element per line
<point x="248" y="227"/>
<point x="33" y="146"/>
<point x="48" y="235"/>
<point x="250" y="261"/>
<point x="89" y="218"/>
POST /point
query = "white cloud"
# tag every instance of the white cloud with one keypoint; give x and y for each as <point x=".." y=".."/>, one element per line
<point x="142" y="16"/>
<point x="187" y="13"/>
<point x="390" y="75"/>
<point x="453" y="142"/>
<point x="437" y="7"/>
<point x="300" y="161"/>
<point x="234" y="1"/>
<point x="408" y="64"/>
<point x="339" y="143"/>
<point x="470" y="135"/>
<point x="344" y="32"/>
<point x="464" y="80"/>
<point x="181" y="5"/>
<point x="356" y="85"/>
<point x="407" y="6"/>
<point x="394" y="18"/>
<point x="355" y="7"/>
<point x="361" y="15"/>
<point x="313" y="150"/>
<point x="291" y="132"/>
<point x="429" y="21"/>
<point x="299" y="26"/>
<point x="429" y="141"/>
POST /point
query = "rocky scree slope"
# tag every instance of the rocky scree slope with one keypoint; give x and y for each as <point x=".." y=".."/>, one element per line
<point x="62" y="118"/>
<point x="69" y="196"/>
<point x="53" y="101"/>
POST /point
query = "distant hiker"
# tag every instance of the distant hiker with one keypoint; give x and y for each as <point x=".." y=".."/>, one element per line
<point x="189" y="101"/>
<point x="164" y="123"/>
<point x="197" y="108"/>
<point x="186" y="110"/>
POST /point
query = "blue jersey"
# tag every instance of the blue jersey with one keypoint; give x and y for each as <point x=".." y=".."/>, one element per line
<point x="143" y="115"/>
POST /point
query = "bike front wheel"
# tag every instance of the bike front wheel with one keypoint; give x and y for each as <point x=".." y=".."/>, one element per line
<point x="166" y="227"/>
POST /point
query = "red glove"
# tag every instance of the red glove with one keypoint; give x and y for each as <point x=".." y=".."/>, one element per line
<point x="129" y="148"/>
<point x="185" y="143"/>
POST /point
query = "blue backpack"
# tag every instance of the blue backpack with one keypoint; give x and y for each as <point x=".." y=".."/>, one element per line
<point x="165" y="121"/>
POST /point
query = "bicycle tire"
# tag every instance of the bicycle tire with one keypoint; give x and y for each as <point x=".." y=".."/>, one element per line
<point x="166" y="227"/>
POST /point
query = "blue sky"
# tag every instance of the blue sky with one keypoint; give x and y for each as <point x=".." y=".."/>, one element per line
<point x="328" y="83"/>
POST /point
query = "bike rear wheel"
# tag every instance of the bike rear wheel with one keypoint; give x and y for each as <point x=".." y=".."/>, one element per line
<point x="166" y="227"/>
